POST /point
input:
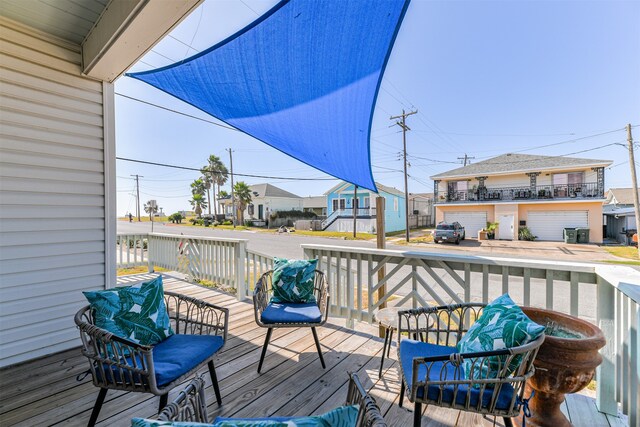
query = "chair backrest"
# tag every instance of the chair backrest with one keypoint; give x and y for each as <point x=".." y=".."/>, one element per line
<point x="265" y="284"/>
<point x="189" y="405"/>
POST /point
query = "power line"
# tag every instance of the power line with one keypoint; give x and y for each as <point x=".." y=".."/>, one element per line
<point x="177" y="112"/>
<point x="236" y="174"/>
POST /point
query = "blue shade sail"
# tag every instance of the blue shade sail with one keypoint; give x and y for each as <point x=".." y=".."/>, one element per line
<point x="303" y="78"/>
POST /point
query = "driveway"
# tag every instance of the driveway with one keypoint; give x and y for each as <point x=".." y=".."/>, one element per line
<point x="523" y="249"/>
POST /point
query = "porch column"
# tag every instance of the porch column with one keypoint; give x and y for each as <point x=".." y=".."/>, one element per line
<point x="600" y="180"/>
<point x="533" y="184"/>
<point x="481" y="186"/>
<point x="435" y="189"/>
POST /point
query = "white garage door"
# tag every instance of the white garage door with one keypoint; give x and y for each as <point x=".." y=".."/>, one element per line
<point x="471" y="221"/>
<point x="548" y="225"/>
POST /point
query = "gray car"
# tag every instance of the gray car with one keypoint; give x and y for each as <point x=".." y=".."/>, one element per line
<point x="449" y="232"/>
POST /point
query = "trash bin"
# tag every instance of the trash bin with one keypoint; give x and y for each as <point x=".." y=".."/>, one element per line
<point x="570" y="235"/>
<point x="582" y="235"/>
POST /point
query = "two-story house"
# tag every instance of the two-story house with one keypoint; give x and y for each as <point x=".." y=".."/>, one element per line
<point x="544" y="193"/>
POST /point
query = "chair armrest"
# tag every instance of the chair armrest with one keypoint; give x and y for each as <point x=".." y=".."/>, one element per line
<point x="115" y="362"/>
<point x="261" y="294"/>
<point x="369" y="414"/>
<point x="443" y="325"/>
<point x="189" y="405"/>
<point x="196" y="317"/>
<point x="321" y="290"/>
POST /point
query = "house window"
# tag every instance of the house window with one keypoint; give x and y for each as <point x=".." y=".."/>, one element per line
<point x="334" y="205"/>
<point x="395" y="204"/>
<point x="366" y="204"/>
<point x="338" y="204"/>
<point x="458" y="186"/>
<point x="343" y="204"/>
<point x="571" y="178"/>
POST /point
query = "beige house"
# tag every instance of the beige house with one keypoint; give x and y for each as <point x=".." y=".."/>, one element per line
<point x="265" y="199"/>
<point x="57" y="155"/>
<point x="544" y="193"/>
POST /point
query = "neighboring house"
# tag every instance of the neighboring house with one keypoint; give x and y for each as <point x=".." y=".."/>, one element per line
<point x="57" y="145"/>
<point x="545" y="193"/>
<point x="619" y="215"/>
<point x="315" y="204"/>
<point x="340" y="209"/>
<point x="265" y="199"/>
<point x="421" y="210"/>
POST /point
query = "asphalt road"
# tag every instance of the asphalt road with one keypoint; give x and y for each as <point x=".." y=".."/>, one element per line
<point x="285" y="245"/>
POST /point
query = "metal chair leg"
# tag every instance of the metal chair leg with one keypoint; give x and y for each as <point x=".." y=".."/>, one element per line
<point x="96" y="407"/>
<point x="264" y="348"/>
<point x="163" y="402"/>
<point x="401" y="393"/>
<point x="315" y="337"/>
<point x="384" y="350"/>
<point x="417" y="414"/>
<point x="214" y="381"/>
<point x="508" y="422"/>
<point x="390" y="342"/>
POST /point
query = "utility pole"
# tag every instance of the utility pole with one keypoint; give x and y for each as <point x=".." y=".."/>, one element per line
<point x="405" y="128"/>
<point x="355" y="207"/>
<point x="634" y="182"/>
<point x="138" y="195"/>
<point x="233" y="196"/>
<point x="466" y="159"/>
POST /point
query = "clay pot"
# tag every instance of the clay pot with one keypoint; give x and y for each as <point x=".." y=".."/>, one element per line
<point x="563" y="365"/>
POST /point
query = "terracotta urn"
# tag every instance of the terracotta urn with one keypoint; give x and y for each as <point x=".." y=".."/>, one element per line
<point x="565" y="363"/>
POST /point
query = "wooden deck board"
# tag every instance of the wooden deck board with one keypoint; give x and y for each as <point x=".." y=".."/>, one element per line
<point x="46" y="392"/>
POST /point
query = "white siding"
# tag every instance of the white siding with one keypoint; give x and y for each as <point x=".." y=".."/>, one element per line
<point x="52" y="192"/>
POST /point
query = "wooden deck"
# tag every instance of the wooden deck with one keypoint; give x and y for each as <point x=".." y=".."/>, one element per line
<point x="47" y="392"/>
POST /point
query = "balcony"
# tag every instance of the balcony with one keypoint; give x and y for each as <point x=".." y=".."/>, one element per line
<point x="45" y="391"/>
<point x="584" y="191"/>
<point x="366" y="212"/>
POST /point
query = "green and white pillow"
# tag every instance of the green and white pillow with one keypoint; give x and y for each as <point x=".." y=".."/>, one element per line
<point x="136" y="312"/>
<point x="502" y="325"/>
<point x="293" y="280"/>
<point x="343" y="416"/>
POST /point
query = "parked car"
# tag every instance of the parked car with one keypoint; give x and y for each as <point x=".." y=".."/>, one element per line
<point x="445" y="232"/>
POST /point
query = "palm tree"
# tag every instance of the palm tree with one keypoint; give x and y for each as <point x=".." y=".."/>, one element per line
<point x="198" y="203"/>
<point x="207" y="180"/>
<point x="198" y="187"/>
<point x="151" y="208"/>
<point x="242" y="193"/>
<point x="217" y="173"/>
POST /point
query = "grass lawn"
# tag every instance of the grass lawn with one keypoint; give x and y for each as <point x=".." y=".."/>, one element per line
<point x="630" y="252"/>
<point x="137" y="270"/>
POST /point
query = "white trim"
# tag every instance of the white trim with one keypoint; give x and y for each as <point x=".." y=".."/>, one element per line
<point x="110" y="227"/>
<point x="522" y="202"/>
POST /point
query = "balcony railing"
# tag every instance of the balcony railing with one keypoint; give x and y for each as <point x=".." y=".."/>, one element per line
<point x="348" y="212"/>
<point x="364" y="280"/>
<point x="542" y="192"/>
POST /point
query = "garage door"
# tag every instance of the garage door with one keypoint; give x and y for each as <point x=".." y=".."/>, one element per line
<point x="548" y="225"/>
<point x="471" y="221"/>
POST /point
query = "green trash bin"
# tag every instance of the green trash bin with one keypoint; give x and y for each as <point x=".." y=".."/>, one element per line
<point x="570" y="235"/>
<point x="583" y="235"/>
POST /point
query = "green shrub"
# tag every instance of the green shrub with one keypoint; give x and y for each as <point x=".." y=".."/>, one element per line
<point x="176" y="218"/>
<point x="196" y="221"/>
<point x="227" y="222"/>
<point x="248" y="223"/>
<point x="292" y="214"/>
<point x="525" y="234"/>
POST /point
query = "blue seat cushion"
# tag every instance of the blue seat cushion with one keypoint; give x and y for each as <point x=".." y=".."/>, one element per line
<point x="410" y="349"/>
<point x="291" y="313"/>
<point x="177" y="355"/>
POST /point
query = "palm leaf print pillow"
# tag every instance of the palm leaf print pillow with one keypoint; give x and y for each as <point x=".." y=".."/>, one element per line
<point x="502" y="325"/>
<point x="136" y="312"/>
<point x="293" y="280"/>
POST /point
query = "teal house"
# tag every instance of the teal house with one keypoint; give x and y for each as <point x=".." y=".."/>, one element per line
<point x="340" y="204"/>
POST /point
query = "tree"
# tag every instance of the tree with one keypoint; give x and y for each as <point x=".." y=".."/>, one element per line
<point x="242" y="194"/>
<point x="222" y="194"/>
<point x="208" y="183"/>
<point x="198" y="187"/>
<point x="216" y="173"/>
<point x="151" y="208"/>
<point x="198" y="203"/>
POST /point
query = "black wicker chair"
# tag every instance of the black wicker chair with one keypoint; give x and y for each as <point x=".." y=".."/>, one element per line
<point x="297" y="316"/>
<point x="431" y="370"/>
<point x="120" y="364"/>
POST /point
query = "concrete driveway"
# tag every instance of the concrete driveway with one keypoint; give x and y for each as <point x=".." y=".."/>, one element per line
<point x="523" y="249"/>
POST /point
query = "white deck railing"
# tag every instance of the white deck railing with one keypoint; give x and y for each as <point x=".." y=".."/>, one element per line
<point x="607" y="296"/>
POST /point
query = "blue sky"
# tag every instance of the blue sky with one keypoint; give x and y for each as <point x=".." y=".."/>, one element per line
<point x="487" y="77"/>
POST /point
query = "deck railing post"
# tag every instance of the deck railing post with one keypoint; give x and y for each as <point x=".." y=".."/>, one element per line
<point x="241" y="279"/>
<point x="606" y="372"/>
